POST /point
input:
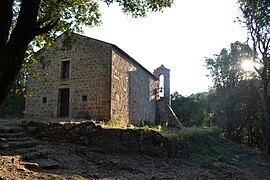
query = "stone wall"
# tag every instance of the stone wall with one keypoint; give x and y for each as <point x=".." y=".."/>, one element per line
<point x="166" y="74"/>
<point x="103" y="83"/>
<point x="111" y="140"/>
<point x="89" y="79"/>
<point x="166" y="115"/>
<point x="133" y="90"/>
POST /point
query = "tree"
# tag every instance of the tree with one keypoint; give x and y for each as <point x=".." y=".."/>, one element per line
<point x="234" y="99"/>
<point x="28" y="23"/>
<point x="256" y="18"/>
<point x="189" y="110"/>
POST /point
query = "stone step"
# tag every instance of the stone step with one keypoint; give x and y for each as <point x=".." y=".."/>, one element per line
<point x="10" y="129"/>
<point x="32" y="155"/>
<point x="27" y="150"/>
<point x="12" y="135"/>
<point x="30" y="166"/>
<point x="25" y="144"/>
<point x="39" y="152"/>
<point x="49" y="164"/>
<point x="3" y="140"/>
<point x="4" y="145"/>
<point x="20" y="139"/>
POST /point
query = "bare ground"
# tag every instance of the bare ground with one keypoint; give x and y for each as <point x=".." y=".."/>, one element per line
<point x="69" y="161"/>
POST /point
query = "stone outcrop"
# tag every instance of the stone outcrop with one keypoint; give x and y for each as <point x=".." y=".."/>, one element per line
<point x="119" y="140"/>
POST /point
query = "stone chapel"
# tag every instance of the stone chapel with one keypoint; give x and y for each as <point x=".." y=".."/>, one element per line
<point x="98" y="80"/>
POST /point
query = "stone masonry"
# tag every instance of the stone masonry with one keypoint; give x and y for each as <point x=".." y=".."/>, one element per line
<point x="110" y="140"/>
<point x="133" y="90"/>
<point x="94" y="79"/>
<point x="89" y="76"/>
<point x="166" y="73"/>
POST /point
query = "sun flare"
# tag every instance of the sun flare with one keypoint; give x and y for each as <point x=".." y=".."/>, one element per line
<point x="247" y="65"/>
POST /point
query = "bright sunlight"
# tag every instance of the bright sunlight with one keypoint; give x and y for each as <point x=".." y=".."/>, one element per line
<point x="247" y="65"/>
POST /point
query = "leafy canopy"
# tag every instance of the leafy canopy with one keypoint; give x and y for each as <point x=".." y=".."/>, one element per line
<point x="57" y="16"/>
<point x="25" y="24"/>
<point x="256" y="18"/>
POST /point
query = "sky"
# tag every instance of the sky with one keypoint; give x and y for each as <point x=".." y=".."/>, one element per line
<point x="179" y="38"/>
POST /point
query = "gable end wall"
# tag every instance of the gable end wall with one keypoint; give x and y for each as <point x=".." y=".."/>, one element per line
<point x="90" y="67"/>
<point x="132" y="91"/>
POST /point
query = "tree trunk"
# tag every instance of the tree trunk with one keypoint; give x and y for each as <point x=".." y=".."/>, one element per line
<point x="14" y="45"/>
<point x="11" y="61"/>
<point x="9" y="70"/>
<point x="266" y="106"/>
<point x="267" y="126"/>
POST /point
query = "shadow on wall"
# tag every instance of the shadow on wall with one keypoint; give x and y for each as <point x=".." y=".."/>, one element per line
<point x="141" y="98"/>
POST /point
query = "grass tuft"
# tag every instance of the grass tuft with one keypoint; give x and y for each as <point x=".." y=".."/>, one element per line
<point x="193" y="132"/>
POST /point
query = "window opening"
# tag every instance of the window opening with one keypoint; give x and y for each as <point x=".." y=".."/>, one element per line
<point x="44" y="100"/>
<point x="161" y="85"/>
<point x="84" y="98"/>
<point x="65" y="70"/>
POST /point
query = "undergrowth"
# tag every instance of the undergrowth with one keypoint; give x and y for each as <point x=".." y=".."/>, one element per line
<point x="203" y="145"/>
<point x="207" y="147"/>
<point x="120" y="125"/>
<point x="193" y="132"/>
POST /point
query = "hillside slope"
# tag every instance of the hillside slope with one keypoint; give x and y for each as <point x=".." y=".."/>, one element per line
<point x="208" y="157"/>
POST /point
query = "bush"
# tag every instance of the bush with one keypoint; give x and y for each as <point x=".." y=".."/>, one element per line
<point x="13" y="107"/>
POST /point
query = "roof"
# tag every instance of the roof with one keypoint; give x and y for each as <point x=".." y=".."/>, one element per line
<point x="123" y="53"/>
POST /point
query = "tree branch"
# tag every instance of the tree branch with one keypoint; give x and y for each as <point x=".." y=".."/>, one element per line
<point x="5" y="22"/>
<point x="46" y="28"/>
<point x="26" y="20"/>
<point x="13" y="55"/>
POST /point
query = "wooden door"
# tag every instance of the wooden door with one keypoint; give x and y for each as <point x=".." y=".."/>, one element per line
<point x="64" y="102"/>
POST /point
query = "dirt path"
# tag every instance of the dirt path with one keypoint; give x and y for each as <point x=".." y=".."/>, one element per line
<point x="70" y="161"/>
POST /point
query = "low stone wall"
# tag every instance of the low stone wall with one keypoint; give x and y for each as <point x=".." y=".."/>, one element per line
<point x="87" y="133"/>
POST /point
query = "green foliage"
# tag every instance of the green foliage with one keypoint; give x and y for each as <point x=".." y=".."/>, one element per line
<point x="216" y="155"/>
<point x="189" y="110"/>
<point x="27" y="26"/>
<point x="234" y="100"/>
<point x="13" y="107"/>
<point x="205" y="144"/>
<point x="256" y="18"/>
<point x="114" y="123"/>
<point x="73" y="15"/>
<point x="196" y="133"/>
<point x="140" y="8"/>
<point x="146" y="128"/>
<point x="213" y="153"/>
<point x="225" y="67"/>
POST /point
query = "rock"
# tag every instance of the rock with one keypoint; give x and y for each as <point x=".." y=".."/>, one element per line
<point x="30" y="166"/>
<point x="13" y="130"/>
<point x="3" y="140"/>
<point x="50" y="166"/>
<point x="96" y="176"/>
<point x="4" y="146"/>
<point x="31" y="128"/>
<point x="19" y="144"/>
<point x="77" y="177"/>
<point x="44" y="152"/>
<point x="31" y="156"/>
<point x="12" y="135"/>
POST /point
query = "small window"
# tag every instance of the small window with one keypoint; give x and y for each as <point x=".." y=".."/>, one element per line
<point x="84" y="98"/>
<point x="44" y="100"/>
<point x="65" y="70"/>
